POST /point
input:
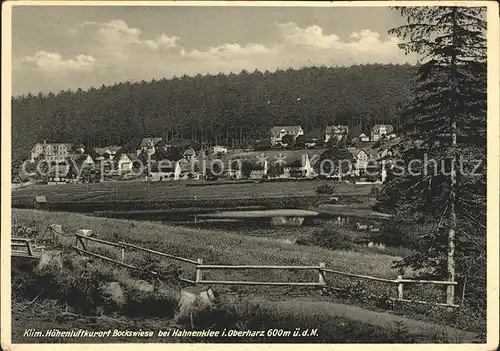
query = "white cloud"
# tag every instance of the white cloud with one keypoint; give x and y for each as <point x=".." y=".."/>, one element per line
<point x="230" y="51"/>
<point x="311" y="36"/>
<point x="114" y="51"/>
<point x="53" y="61"/>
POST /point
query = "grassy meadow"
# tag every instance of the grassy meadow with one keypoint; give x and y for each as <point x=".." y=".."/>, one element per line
<point x="217" y="246"/>
<point x="164" y="191"/>
<point x="214" y="246"/>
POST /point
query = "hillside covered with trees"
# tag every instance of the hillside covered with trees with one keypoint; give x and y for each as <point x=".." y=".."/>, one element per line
<point x="227" y="109"/>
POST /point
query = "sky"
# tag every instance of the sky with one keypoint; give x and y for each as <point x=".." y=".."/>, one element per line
<point x="69" y="47"/>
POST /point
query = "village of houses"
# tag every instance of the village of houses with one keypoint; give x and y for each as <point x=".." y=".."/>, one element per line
<point x="118" y="164"/>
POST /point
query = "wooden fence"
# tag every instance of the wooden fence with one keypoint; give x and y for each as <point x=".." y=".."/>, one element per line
<point x="23" y="247"/>
<point x="398" y="283"/>
<point x="81" y="239"/>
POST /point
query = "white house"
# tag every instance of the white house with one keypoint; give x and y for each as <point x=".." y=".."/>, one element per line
<point x="124" y="163"/>
<point x="278" y="132"/>
<point x="363" y="137"/>
<point x="165" y="173"/>
<point x="361" y="160"/>
<point x="381" y="130"/>
<point x="82" y="160"/>
<point x="56" y="152"/>
<point x="219" y="149"/>
<point x="189" y="154"/>
<point x="232" y="174"/>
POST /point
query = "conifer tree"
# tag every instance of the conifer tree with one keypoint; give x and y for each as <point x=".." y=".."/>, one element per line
<point x="447" y="113"/>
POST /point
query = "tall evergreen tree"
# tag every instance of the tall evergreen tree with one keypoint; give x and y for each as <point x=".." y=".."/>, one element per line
<point x="447" y="113"/>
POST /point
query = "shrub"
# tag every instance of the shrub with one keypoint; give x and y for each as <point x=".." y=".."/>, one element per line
<point x="336" y="239"/>
<point x="325" y="189"/>
<point x="161" y="302"/>
<point x="374" y="192"/>
<point x="395" y="234"/>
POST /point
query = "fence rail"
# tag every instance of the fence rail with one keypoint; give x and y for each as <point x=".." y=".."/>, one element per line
<point x="80" y="239"/>
<point x="31" y="249"/>
<point x="367" y="277"/>
<point x="321" y="269"/>
<point x="124" y="244"/>
<point x="231" y="267"/>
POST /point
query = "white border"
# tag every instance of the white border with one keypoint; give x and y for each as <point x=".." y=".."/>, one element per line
<point x="492" y="191"/>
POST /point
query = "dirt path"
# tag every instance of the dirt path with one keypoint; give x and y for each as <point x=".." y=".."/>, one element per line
<point x="308" y="305"/>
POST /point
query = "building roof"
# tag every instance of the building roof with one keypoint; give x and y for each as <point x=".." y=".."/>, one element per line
<point x="189" y="152"/>
<point x="336" y="129"/>
<point x="288" y="129"/>
<point x="145" y="141"/>
<point x="79" y="157"/>
<point x="103" y="150"/>
<point x="68" y="145"/>
<point x="132" y="156"/>
<point x="40" y="199"/>
<point x="376" y="128"/>
<point x="372" y="154"/>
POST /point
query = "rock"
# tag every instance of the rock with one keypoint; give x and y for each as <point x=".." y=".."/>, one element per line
<point x="113" y="292"/>
<point x="50" y="258"/>
<point x="86" y="232"/>
<point x="143" y="286"/>
<point x="192" y="299"/>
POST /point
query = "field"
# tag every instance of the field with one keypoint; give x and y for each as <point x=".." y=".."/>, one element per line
<point x="141" y="191"/>
<point x="298" y="306"/>
<point x="214" y="246"/>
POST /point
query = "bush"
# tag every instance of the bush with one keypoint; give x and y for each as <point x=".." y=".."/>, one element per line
<point x="332" y="239"/>
<point x="374" y="192"/>
<point x="325" y="189"/>
<point x="395" y="234"/>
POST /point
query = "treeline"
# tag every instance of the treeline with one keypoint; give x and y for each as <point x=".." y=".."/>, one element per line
<point x="229" y="109"/>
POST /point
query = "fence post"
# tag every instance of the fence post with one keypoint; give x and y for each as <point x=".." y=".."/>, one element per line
<point x="322" y="274"/>
<point x="450" y="294"/>
<point x="29" y="248"/>
<point x="122" y="252"/>
<point x="400" y="288"/>
<point x="82" y="243"/>
<point x="198" y="270"/>
<point x="463" y="290"/>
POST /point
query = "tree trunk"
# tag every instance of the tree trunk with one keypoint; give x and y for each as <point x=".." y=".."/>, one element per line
<point x="450" y="293"/>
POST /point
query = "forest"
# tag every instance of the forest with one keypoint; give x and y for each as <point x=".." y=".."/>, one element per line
<point x="232" y="109"/>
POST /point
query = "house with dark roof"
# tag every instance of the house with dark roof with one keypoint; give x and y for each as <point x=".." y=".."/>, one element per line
<point x="336" y="132"/>
<point x="148" y="145"/>
<point x="81" y="160"/>
<point x="278" y="132"/>
<point x="189" y="154"/>
<point x="380" y="131"/>
<point x="104" y="153"/>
